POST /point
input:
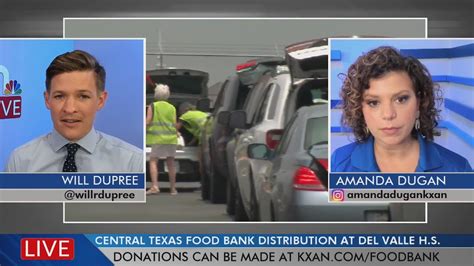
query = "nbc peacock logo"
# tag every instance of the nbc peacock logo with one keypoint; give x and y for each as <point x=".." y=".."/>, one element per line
<point x="12" y="88"/>
<point x="10" y="101"/>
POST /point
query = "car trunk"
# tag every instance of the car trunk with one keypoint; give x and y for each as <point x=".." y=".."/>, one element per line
<point x="308" y="65"/>
<point x="185" y="84"/>
<point x="307" y="60"/>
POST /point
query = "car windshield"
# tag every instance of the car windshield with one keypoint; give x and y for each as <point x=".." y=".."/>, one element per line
<point x="316" y="131"/>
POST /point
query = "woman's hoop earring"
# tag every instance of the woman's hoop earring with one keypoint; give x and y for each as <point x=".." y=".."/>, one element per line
<point x="417" y="121"/>
<point x="367" y="131"/>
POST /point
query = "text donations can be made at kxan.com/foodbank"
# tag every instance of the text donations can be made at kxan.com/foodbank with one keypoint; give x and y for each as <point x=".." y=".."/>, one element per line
<point x="279" y="255"/>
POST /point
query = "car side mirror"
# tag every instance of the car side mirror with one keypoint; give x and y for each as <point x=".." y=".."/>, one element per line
<point x="258" y="151"/>
<point x="223" y="118"/>
<point x="238" y="119"/>
<point x="204" y="105"/>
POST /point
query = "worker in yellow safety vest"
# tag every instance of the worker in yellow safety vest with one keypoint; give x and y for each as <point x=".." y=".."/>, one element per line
<point x="192" y="120"/>
<point x="162" y="136"/>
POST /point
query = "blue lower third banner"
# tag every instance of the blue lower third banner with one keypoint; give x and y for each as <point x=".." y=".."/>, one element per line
<point x="237" y="249"/>
<point x="401" y="187"/>
<point x="72" y="187"/>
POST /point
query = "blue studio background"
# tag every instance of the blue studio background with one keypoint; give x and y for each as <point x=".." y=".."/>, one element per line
<point x="27" y="60"/>
<point x="451" y="64"/>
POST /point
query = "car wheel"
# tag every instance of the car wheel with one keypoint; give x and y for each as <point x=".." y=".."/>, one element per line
<point x="254" y="214"/>
<point x="204" y="185"/>
<point x="204" y="178"/>
<point x="217" y="187"/>
<point x="240" y="214"/>
<point x="230" y="198"/>
<point x="272" y="212"/>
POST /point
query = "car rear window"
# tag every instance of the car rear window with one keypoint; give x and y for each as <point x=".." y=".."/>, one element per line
<point x="316" y="131"/>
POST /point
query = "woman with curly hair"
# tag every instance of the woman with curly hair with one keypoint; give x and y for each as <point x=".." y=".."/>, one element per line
<point x="389" y="102"/>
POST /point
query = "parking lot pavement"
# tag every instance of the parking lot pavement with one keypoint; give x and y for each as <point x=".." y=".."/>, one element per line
<point x="181" y="186"/>
<point x="162" y="207"/>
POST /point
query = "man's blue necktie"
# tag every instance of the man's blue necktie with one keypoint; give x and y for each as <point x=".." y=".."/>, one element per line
<point x="70" y="163"/>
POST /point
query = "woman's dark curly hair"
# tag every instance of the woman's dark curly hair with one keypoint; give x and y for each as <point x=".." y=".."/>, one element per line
<point x="375" y="64"/>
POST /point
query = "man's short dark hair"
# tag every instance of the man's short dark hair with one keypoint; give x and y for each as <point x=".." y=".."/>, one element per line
<point x="76" y="60"/>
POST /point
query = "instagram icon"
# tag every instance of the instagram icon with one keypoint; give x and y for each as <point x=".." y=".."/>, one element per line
<point x="337" y="195"/>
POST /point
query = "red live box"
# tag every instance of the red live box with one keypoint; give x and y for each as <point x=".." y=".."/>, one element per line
<point x="47" y="249"/>
<point x="10" y="107"/>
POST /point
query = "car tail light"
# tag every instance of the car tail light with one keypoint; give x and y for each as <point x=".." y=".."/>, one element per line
<point x="246" y="65"/>
<point x="306" y="179"/>
<point x="149" y="80"/>
<point x="273" y="137"/>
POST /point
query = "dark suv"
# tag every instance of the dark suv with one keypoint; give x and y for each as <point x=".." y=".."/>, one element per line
<point x="232" y="95"/>
<point x="186" y="85"/>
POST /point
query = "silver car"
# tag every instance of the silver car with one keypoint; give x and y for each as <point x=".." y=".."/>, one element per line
<point x="294" y="177"/>
<point x="269" y="115"/>
<point x="304" y="84"/>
